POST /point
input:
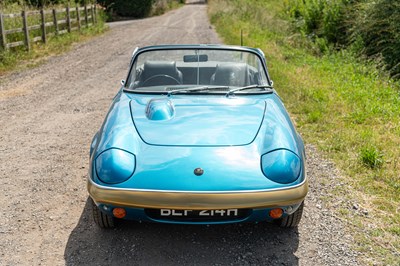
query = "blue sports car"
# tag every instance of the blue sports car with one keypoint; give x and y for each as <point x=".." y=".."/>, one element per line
<point x="197" y="135"/>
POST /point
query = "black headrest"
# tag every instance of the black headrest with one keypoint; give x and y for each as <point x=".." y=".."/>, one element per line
<point x="152" y="68"/>
<point x="231" y="74"/>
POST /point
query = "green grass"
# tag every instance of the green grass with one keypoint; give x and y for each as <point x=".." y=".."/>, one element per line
<point x="346" y="107"/>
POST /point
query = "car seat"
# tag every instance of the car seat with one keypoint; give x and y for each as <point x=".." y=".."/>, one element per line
<point x="231" y="74"/>
<point x="160" y="73"/>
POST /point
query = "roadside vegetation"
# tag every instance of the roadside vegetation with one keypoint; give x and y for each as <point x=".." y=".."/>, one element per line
<point x="342" y="101"/>
<point x="367" y="27"/>
<point x="125" y="9"/>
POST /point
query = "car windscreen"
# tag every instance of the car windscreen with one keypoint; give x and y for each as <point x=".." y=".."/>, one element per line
<point x="175" y="69"/>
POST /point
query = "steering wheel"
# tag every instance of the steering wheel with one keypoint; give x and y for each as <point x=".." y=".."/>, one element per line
<point x="160" y="79"/>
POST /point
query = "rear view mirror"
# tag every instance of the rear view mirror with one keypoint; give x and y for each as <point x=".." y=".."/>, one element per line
<point x="195" y="58"/>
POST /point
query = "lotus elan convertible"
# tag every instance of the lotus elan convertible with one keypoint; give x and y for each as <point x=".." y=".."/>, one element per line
<point x="197" y="134"/>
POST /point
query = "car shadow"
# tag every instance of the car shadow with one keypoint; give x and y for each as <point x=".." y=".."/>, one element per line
<point x="133" y="243"/>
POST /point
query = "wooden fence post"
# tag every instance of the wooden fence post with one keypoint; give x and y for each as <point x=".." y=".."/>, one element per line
<point x="95" y="13"/>
<point x="2" y="32"/>
<point x="55" y="21"/>
<point x="86" y="17"/>
<point x="42" y="14"/>
<point x="26" y="29"/>
<point x="45" y="27"/>
<point x="78" y="18"/>
<point x="92" y="12"/>
<point x="68" y="19"/>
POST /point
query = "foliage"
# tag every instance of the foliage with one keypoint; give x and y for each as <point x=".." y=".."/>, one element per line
<point x="161" y="6"/>
<point x="378" y="27"/>
<point x="137" y="8"/>
<point x="320" y="18"/>
<point x="369" y="26"/>
<point x="371" y="157"/>
<point x="344" y="106"/>
<point x="114" y="8"/>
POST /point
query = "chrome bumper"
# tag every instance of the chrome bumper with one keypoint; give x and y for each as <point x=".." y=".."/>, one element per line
<point x="197" y="200"/>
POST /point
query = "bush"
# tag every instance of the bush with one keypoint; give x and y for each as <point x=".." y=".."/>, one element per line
<point x="161" y="6"/>
<point x="377" y="27"/>
<point x="118" y="9"/>
<point x="128" y="8"/>
<point x="371" y="27"/>
<point x="320" y="18"/>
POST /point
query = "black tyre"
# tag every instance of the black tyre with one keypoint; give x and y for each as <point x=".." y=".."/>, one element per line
<point x="292" y="220"/>
<point x="101" y="219"/>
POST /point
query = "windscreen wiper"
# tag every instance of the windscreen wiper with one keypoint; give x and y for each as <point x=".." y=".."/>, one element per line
<point x="201" y="88"/>
<point x="267" y="88"/>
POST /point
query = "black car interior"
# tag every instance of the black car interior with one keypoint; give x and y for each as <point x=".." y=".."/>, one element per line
<point x="158" y="73"/>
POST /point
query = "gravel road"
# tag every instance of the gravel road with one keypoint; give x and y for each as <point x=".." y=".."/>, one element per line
<point x="48" y="116"/>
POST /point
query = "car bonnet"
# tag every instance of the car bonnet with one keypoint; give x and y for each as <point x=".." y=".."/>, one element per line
<point x="197" y="121"/>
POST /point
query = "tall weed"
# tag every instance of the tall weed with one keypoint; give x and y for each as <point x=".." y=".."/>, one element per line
<point x="369" y="27"/>
<point x="319" y="18"/>
<point x="377" y="26"/>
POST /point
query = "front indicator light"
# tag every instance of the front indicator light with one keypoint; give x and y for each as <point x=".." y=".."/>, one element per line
<point x="119" y="213"/>
<point x="276" y="213"/>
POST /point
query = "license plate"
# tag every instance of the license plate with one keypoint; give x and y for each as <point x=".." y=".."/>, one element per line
<point x="199" y="213"/>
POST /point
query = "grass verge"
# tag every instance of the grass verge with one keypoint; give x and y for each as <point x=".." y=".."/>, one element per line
<point x="345" y="107"/>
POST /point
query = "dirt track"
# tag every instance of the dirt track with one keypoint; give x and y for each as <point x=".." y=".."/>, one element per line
<point x="48" y="116"/>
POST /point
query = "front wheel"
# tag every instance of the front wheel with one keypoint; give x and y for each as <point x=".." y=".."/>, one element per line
<point x="101" y="219"/>
<point x="291" y="220"/>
